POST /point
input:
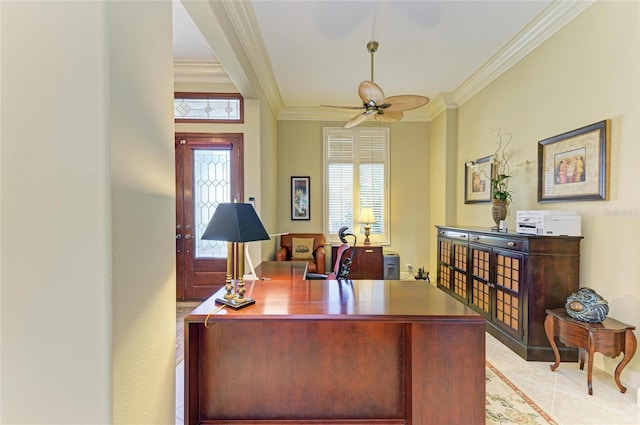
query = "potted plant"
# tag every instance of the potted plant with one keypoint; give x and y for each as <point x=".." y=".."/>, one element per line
<point x="502" y="172"/>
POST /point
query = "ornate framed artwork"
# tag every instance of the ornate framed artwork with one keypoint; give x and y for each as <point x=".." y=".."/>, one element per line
<point x="574" y="166"/>
<point x="300" y="198"/>
<point x="477" y="180"/>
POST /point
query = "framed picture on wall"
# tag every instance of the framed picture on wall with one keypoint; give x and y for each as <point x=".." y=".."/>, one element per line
<point x="477" y="180"/>
<point x="300" y="198"/>
<point x="574" y="166"/>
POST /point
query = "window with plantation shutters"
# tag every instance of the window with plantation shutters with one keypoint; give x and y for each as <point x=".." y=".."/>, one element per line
<point x="356" y="177"/>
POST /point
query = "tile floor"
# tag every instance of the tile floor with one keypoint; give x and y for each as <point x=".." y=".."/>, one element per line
<point x="562" y="394"/>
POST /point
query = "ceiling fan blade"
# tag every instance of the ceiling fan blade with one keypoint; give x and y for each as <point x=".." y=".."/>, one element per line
<point x="356" y="120"/>
<point x="342" y="107"/>
<point x="370" y="91"/>
<point x="388" y="116"/>
<point x="405" y="102"/>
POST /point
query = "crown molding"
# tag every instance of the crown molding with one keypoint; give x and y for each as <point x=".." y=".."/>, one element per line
<point x="553" y="17"/>
<point x="242" y="17"/>
<point x="200" y="72"/>
<point x="442" y="102"/>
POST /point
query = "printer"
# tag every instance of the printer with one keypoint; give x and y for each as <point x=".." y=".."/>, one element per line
<point x="548" y="223"/>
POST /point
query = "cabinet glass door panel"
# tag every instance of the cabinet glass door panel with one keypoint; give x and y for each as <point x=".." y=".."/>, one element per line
<point x="460" y="284"/>
<point x="460" y="261"/>
<point x="480" y="263"/>
<point x="508" y="272"/>
<point x="480" y="297"/>
<point x="445" y="251"/>
<point x="508" y="310"/>
<point x="444" y="265"/>
<point x="460" y="257"/>
<point x="444" y="278"/>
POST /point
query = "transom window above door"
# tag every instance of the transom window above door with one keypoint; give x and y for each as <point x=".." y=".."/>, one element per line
<point x="208" y="107"/>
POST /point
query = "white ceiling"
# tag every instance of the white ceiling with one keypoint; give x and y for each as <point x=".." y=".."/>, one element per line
<point x="310" y="53"/>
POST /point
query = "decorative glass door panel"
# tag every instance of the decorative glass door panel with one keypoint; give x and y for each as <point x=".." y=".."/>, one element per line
<point x="211" y="169"/>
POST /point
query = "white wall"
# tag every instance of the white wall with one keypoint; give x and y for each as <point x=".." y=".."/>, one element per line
<point x="87" y="191"/>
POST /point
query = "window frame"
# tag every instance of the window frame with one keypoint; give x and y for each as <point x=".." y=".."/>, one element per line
<point x="213" y="96"/>
<point x="358" y="229"/>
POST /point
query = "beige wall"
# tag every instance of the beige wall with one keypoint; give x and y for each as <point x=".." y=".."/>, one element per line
<point x="143" y="211"/>
<point x="300" y="154"/>
<point x="587" y="72"/>
<point x="443" y="179"/>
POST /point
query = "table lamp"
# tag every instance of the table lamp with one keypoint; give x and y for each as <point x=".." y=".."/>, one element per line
<point x="235" y="223"/>
<point x="367" y="218"/>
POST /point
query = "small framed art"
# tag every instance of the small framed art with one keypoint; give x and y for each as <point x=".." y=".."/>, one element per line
<point x="574" y="166"/>
<point x="300" y="198"/>
<point x="477" y="181"/>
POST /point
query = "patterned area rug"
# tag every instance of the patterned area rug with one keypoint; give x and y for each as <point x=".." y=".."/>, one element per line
<point x="506" y="404"/>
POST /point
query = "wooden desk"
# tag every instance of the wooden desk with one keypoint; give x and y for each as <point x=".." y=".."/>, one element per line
<point x="288" y="271"/>
<point x="609" y="338"/>
<point x="330" y="352"/>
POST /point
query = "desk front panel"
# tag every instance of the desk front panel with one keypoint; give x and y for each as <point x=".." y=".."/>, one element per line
<point x="361" y="352"/>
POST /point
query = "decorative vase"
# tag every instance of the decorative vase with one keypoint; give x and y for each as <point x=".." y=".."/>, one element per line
<point x="587" y="305"/>
<point x="499" y="210"/>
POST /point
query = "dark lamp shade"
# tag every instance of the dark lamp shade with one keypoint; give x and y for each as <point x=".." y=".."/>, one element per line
<point x="235" y="223"/>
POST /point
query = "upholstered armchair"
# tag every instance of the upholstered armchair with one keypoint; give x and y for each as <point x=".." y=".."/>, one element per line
<point x="307" y="247"/>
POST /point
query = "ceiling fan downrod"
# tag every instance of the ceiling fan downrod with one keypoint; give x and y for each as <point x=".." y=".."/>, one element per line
<point x="372" y="47"/>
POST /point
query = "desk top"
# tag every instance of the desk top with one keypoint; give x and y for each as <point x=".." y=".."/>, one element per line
<point x="294" y="298"/>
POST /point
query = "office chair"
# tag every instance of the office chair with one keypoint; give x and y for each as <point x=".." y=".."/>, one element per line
<point x="342" y="266"/>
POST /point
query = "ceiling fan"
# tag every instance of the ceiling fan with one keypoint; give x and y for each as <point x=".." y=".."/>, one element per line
<point x="374" y="103"/>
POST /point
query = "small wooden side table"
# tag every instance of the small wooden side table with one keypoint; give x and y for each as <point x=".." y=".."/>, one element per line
<point x="609" y="337"/>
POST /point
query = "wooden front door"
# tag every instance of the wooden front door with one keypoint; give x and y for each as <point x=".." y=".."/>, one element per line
<point x="209" y="171"/>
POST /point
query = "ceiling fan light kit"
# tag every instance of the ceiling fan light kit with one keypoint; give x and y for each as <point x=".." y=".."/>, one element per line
<point x="383" y="110"/>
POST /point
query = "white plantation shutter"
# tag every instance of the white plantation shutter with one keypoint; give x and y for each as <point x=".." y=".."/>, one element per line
<point x="339" y="185"/>
<point x="357" y="172"/>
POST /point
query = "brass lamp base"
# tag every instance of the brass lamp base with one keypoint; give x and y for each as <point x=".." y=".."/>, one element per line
<point x="236" y="305"/>
<point x="366" y="235"/>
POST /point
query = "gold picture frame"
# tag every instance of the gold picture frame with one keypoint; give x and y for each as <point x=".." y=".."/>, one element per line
<point x="574" y="166"/>
<point x="477" y="180"/>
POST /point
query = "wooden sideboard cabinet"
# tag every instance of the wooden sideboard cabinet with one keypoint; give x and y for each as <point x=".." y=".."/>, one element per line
<point x="511" y="279"/>
<point x="368" y="262"/>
